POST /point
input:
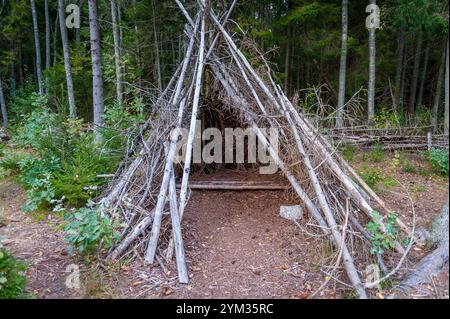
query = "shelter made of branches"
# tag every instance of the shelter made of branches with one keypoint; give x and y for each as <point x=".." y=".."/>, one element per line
<point x="333" y="194"/>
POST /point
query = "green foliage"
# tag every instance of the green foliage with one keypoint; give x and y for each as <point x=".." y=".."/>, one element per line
<point x="386" y="118"/>
<point x="349" y="152"/>
<point x="88" y="230"/>
<point x="36" y="177"/>
<point x="371" y="176"/>
<point x="409" y="167"/>
<point x="11" y="162"/>
<point x="12" y="281"/>
<point x="382" y="241"/>
<point x="438" y="159"/>
<point x="377" y="154"/>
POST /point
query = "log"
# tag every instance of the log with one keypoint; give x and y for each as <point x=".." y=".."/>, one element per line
<point x="176" y="232"/>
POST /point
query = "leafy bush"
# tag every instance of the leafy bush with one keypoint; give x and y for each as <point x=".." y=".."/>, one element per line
<point x="409" y="167"/>
<point x="438" y="159"/>
<point x="12" y="281"/>
<point x="88" y="229"/>
<point x="382" y="241"/>
<point x="36" y="177"/>
<point x="348" y="152"/>
<point x="377" y="154"/>
<point x="371" y="176"/>
<point x="11" y="163"/>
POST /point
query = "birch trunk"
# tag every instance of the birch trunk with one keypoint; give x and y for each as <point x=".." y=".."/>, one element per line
<point x="3" y="106"/>
<point x="372" y="69"/>
<point x="414" y="79"/>
<point x="343" y="66"/>
<point x="67" y="66"/>
<point x="287" y="61"/>
<point x="97" y="79"/>
<point x="117" y="51"/>
<point x="438" y="92"/>
<point x="37" y="46"/>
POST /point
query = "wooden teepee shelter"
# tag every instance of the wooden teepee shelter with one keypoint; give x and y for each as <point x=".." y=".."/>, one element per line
<point x="146" y="181"/>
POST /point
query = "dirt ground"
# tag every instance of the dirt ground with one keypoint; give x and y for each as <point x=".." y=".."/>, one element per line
<point x="237" y="246"/>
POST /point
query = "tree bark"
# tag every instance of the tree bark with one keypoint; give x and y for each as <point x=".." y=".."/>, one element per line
<point x="67" y="66"/>
<point x="117" y="51"/>
<point x="415" y="77"/>
<point x="423" y="75"/>
<point x="343" y="66"/>
<point x="399" y="68"/>
<point x="3" y="106"/>
<point x="55" y="40"/>
<point x="97" y="77"/>
<point x="372" y="70"/>
<point x="157" y="58"/>
<point x="446" y="113"/>
<point x="287" y="61"/>
<point x="437" y="96"/>
<point x="47" y="35"/>
<point x="37" y="46"/>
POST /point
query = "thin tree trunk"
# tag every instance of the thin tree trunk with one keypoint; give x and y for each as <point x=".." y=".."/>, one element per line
<point x="287" y="63"/>
<point x="117" y="51"/>
<point x="67" y="66"/>
<point x="372" y="69"/>
<point x="403" y="80"/>
<point x="446" y="112"/>
<point x="343" y="66"/>
<point x="77" y="30"/>
<point x="157" y="58"/>
<point x="414" y="78"/>
<point x="399" y="68"/>
<point x="47" y="35"/>
<point x="97" y="78"/>
<point x="55" y="40"/>
<point x="423" y="75"/>
<point x="3" y="106"/>
<point x="37" y="46"/>
<point x="437" y="96"/>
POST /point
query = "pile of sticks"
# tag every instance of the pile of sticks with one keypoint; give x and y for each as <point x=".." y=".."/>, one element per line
<point x="147" y="182"/>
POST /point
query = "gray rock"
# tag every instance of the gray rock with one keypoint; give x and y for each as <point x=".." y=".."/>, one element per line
<point x="294" y="213"/>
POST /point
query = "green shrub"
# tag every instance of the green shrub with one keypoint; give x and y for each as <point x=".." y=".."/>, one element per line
<point x="371" y="176"/>
<point x="349" y="152"/>
<point x="11" y="163"/>
<point x="89" y="230"/>
<point x="409" y="167"/>
<point x="382" y="241"/>
<point x="438" y="159"/>
<point x="36" y="177"/>
<point x="12" y="281"/>
<point x="377" y="154"/>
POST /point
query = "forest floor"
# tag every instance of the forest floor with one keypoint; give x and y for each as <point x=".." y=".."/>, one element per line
<point x="237" y="245"/>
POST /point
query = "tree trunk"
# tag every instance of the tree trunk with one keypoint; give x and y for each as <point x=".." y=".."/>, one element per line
<point x="414" y="79"/>
<point x="47" y="35"/>
<point x="67" y="66"/>
<point x="117" y="49"/>
<point x="287" y="61"/>
<point x="37" y="46"/>
<point x="343" y="66"/>
<point x="437" y="96"/>
<point x="3" y="106"/>
<point x="372" y="69"/>
<point x="97" y="78"/>
<point x="157" y="59"/>
<point x="423" y="75"/>
<point x="446" y="115"/>
<point x="55" y="40"/>
<point x="398" y="71"/>
<point x="77" y="30"/>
